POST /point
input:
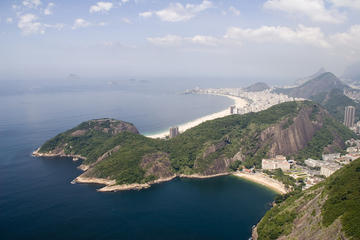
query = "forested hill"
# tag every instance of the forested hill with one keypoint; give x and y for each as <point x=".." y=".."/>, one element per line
<point x="113" y="149"/>
<point x="325" y="82"/>
<point x="329" y="210"/>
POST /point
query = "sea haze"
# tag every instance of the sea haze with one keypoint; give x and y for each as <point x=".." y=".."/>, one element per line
<point x="37" y="200"/>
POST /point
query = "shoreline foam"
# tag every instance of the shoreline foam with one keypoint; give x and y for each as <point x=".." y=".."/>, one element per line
<point x="262" y="179"/>
<point x="239" y="102"/>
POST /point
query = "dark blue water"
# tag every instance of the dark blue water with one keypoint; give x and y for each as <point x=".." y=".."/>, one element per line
<point x="37" y="200"/>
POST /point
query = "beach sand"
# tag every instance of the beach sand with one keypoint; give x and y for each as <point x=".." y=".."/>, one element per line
<point x="239" y="102"/>
<point x="264" y="180"/>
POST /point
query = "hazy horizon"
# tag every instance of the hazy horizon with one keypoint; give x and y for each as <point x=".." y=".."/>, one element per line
<point x="201" y="41"/>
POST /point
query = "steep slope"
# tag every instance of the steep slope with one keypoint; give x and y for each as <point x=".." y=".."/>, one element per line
<point x="315" y="75"/>
<point x="210" y="148"/>
<point x="257" y="87"/>
<point x="329" y="210"/>
<point x="323" y="83"/>
<point x="335" y="102"/>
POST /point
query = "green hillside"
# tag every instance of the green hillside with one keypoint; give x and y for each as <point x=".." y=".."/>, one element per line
<point x="114" y="149"/>
<point x="329" y="210"/>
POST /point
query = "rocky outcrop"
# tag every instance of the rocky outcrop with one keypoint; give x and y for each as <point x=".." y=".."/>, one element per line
<point x="111" y="126"/>
<point x="295" y="137"/>
<point x="157" y="165"/>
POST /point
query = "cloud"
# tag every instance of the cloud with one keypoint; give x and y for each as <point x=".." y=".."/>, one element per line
<point x="308" y="35"/>
<point x="29" y="24"/>
<point x="31" y="3"/>
<point x="126" y="20"/>
<point x="9" y="20"/>
<point x="355" y="4"/>
<point x="80" y="23"/>
<point x="102" y="7"/>
<point x="168" y="40"/>
<point x="234" y="11"/>
<point x="145" y="14"/>
<point x="177" y="12"/>
<point x="48" y="9"/>
<point x="314" y="9"/>
<point x="349" y="41"/>
<point x="204" y="40"/>
<point x="239" y="36"/>
<point x="174" y="40"/>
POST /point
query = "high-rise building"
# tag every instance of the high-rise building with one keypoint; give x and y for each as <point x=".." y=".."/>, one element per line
<point x="174" y="131"/>
<point x="232" y="109"/>
<point x="349" y="116"/>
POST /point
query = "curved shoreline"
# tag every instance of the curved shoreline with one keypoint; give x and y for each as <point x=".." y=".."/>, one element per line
<point x="264" y="180"/>
<point x="111" y="186"/>
<point x="239" y="102"/>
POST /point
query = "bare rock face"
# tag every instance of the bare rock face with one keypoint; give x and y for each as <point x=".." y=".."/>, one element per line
<point x="289" y="140"/>
<point x="219" y="165"/>
<point x="111" y="126"/>
<point x="157" y="164"/>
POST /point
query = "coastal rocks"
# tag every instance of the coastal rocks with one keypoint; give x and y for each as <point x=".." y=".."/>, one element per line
<point x="75" y="157"/>
<point x="157" y="165"/>
<point x="111" y="186"/>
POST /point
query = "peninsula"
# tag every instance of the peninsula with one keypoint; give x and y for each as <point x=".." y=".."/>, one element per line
<point x="113" y="152"/>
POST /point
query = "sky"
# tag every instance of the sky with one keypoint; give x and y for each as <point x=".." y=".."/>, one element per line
<point x="268" y="40"/>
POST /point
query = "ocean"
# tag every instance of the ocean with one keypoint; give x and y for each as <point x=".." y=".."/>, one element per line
<point x="37" y="200"/>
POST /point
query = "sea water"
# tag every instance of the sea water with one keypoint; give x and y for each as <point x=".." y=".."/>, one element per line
<point x="37" y="200"/>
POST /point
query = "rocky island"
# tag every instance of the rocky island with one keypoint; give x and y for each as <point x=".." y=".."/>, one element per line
<point x="115" y="154"/>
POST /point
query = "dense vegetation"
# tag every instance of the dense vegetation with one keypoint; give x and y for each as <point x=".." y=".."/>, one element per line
<point x="335" y="102"/>
<point x="339" y="199"/>
<point x="324" y="137"/>
<point x="201" y="149"/>
<point x="343" y="199"/>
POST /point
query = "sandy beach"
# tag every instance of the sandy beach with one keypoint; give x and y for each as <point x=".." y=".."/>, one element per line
<point x="264" y="180"/>
<point x="239" y="102"/>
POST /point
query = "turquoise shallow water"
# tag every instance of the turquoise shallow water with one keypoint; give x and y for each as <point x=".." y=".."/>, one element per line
<point x="37" y="200"/>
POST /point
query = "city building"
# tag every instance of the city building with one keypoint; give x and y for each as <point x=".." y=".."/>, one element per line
<point x="329" y="169"/>
<point x="349" y="117"/>
<point x="330" y="157"/>
<point x="174" y="131"/>
<point x="233" y="109"/>
<point x="313" y="163"/>
<point x="275" y="163"/>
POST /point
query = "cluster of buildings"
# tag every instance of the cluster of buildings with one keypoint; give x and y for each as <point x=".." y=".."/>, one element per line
<point x="256" y="101"/>
<point x="274" y="163"/>
<point x="314" y="171"/>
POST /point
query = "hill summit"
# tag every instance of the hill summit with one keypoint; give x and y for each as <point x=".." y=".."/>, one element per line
<point x="322" y="83"/>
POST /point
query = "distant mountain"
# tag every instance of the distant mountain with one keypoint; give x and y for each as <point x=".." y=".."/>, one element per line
<point x="320" y="84"/>
<point x="329" y="210"/>
<point x="257" y="87"/>
<point x="305" y="79"/>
